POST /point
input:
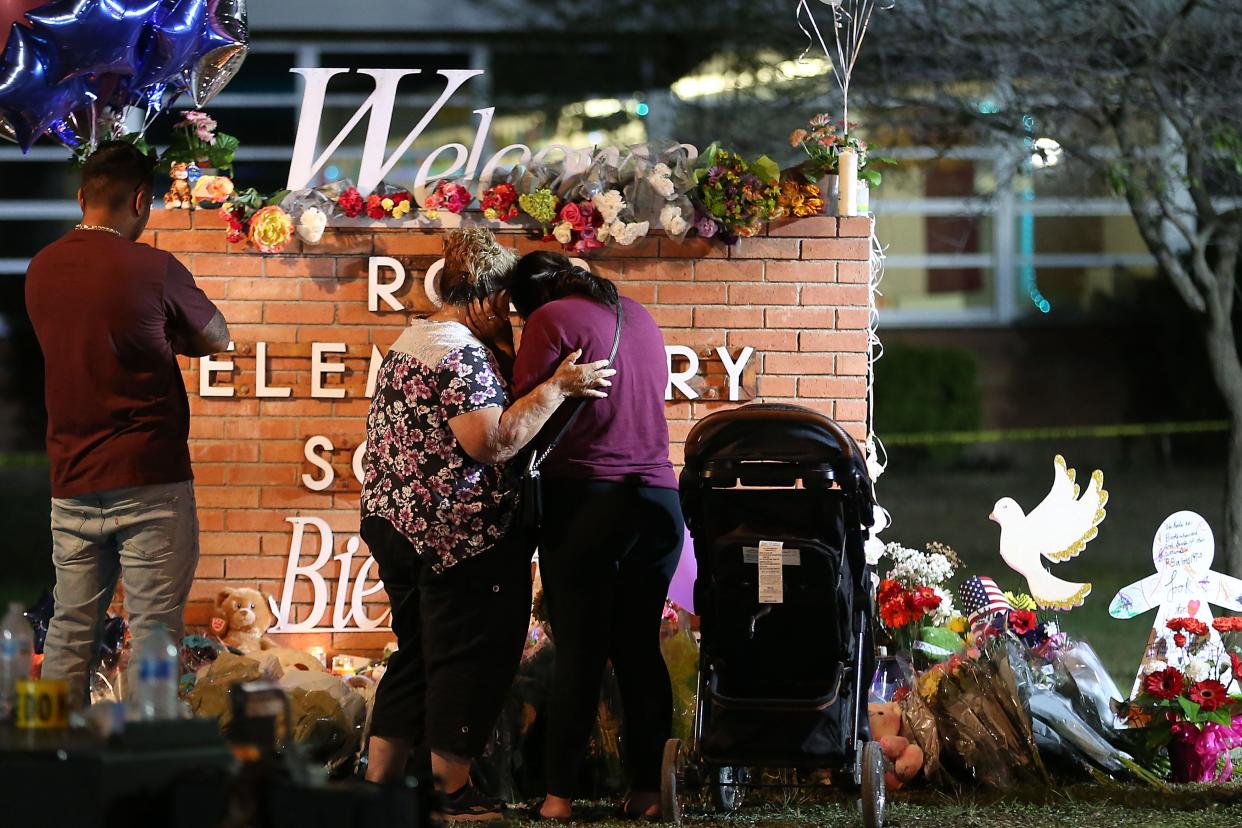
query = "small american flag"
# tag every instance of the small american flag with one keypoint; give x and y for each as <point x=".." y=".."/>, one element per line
<point x="981" y="597"/>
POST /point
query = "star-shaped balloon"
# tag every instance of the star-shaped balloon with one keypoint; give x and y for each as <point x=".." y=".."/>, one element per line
<point x="31" y="100"/>
<point x="220" y="51"/>
<point x="91" y="37"/>
<point x="168" y="47"/>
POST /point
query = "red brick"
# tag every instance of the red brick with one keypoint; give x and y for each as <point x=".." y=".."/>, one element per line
<point x="672" y="317"/>
<point x="641" y="249"/>
<point x="850" y="409"/>
<point x="655" y="270"/>
<point x="850" y="318"/>
<point x="639" y="292"/>
<point x="775" y="386"/>
<point x="692" y="248"/>
<point x="854" y="272"/>
<point x="345" y="241"/>
<point x="724" y="316"/>
<point x="232" y="452"/>
<point x="526" y="244"/>
<point x="835" y="295"/>
<point x="693" y="294"/>
<point x="799" y="317"/>
<point x="798" y="364"/>
<point x="253" y="568"/>
<point x="851" y="365"/>
<point x="809" y="227"/>
<point x="299" y="266"/>
<point x="300" y="313"/>
<point x="763" y="294"/>
<point x="228" y="497"/>
<point x="228" y="264"/>
<point x="264" y="475"/>
<point x="855" y="226"/>
<point x="241" y="312"/>
<point x="836" y="341"/>
<point x="850" y="250"/>
<point x="191" y="241"/>
<point x="795" y="271"/>
<point x="208" y="220"/>
<point x="162" y="219"/>
<point x="765" y="248"/>
<point x="728" y="271"/>
<point x="258" y="289"/>
<point x="765" y="340"/>
<point x="832" y="387"/>
<point x="408" y="243"/>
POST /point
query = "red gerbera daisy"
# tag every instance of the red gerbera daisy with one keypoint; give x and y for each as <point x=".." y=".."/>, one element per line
<point x="926" y="599"/>
<point x="1165" y="684"/>
<point x="1208" y="694"/>
<point x="1022" y="622"/>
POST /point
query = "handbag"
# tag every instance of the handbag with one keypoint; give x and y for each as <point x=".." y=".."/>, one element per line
<point x="530" y="490"/>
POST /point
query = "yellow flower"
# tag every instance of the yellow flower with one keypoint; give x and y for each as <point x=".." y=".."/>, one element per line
<point x="929" y="683"/>
<point x="401" y="208"/>
<point x="958" y="625"/>
<point x="270" y="229"/>
<point x="387" y="204"/>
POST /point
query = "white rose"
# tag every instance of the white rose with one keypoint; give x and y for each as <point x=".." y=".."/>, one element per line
<point x="563" y="232"/>
<point x="609" y="204"/>
<point x="663" y="185"/>
<point x="311" y="225"/>
<point x="672" y="221"/>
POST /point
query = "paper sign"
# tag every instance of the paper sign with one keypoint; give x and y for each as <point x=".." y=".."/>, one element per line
<point x="790" y="557"/>
<point x="1183" y="586"/>
<point x="771" y="575"/>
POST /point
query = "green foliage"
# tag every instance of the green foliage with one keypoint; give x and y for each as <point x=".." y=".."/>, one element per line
<point x="927" y="389"/>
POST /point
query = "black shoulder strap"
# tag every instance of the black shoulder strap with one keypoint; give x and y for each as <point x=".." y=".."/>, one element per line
<point x="538" y="457"/>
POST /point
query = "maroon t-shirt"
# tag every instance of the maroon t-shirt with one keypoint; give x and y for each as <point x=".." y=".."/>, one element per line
<point x="623" y="438"/>
<point x="104" y="309"/>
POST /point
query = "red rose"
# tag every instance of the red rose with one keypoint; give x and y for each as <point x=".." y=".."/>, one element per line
<point x="350" y="202"/>
<point x="1164" y="684"/>
<point x="1179" y="639"/>
<point x="573" y="214"/>
<point x="1208" y="694"/>
<point x="1022" y="622"/>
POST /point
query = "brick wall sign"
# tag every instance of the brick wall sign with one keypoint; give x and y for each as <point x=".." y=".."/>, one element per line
<point x="278" y="423"/>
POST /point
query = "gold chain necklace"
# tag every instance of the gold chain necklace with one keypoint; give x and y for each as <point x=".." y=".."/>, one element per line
<point x="99" y="227"/>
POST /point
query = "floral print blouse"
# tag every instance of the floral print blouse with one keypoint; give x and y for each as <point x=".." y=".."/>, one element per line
<point x="418" y="477"/>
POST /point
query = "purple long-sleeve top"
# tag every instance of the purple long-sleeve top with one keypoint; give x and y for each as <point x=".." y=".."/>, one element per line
<point x="623" y="438"/>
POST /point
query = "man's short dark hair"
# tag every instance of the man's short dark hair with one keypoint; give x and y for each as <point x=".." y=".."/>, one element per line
<point x="114" y="172"/>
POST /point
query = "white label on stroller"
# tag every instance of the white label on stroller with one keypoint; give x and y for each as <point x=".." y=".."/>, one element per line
<point x="791" y="557"/>
<point x="771" y="576"/>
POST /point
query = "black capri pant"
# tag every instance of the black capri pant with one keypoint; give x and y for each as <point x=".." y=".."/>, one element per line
<point x="459" y="641"/>
<point x="607" y="552"/>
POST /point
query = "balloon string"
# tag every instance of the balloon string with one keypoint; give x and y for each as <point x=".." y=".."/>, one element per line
<point x="810" y="41"/>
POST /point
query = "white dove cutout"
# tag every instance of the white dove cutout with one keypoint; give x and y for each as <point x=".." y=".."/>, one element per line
<point x="1182" y="587"/>
<point x="1057" y="529"/>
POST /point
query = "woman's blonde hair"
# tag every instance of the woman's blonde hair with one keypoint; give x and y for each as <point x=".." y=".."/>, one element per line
<point x="476" y="266"/>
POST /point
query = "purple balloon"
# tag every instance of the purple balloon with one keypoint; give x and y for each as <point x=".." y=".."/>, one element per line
<point x="169" y="45"/>
<point x="681" y="590"/>
<point x="91" y="37"/>
<point x="30" y="98"/>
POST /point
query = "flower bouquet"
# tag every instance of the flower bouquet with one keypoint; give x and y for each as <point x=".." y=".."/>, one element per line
<point x="197" y="141"/>
<point x="734" y="197"/>
<point x="912" y="598"/>
<point x="446" y="195"/>
<point x="1187" y="707"/>
<point x="261" y="221"/>
<point x="822" y="144"/>
<point x="499" y="202"/>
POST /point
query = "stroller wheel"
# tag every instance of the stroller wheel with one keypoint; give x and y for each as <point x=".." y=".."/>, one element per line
<point x="670" y="803"/>
<point x="874" y="791"/>
<point x="726" y="788"/>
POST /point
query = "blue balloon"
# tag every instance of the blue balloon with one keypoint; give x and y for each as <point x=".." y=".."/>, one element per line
<point x="91" y="37"/>
<point x="169" y="44"/>
<point x="31" y="99"/>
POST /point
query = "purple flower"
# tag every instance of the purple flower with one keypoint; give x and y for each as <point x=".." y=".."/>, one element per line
<point x="706" y="227"/>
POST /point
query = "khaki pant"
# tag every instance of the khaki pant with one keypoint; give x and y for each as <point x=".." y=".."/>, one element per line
<point x="148" y="535"/>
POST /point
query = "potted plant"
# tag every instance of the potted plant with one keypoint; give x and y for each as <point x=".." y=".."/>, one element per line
<point x="196" y="141"/>
<point x="822" y="143"/>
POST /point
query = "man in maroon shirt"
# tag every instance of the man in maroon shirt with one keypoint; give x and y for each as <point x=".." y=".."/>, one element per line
<point x="111" y="315"/>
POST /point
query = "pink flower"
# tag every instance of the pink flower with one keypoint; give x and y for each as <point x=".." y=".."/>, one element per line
<point x="573" y="214"/>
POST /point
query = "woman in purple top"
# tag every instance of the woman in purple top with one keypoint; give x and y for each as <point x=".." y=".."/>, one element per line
<point x="613" y="528"/>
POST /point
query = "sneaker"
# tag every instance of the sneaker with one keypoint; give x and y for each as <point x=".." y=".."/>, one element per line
<point x="468" y="804"/>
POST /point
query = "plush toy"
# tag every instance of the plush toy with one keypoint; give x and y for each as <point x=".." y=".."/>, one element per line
<point x="179" y="195"/>
<point x="905" y="756"/>
<point x="241" y="618"/>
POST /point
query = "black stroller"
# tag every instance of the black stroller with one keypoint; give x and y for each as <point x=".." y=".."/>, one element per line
<point x="782" y="681"/>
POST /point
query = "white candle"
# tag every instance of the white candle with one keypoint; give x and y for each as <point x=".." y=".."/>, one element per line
<point x="847" y="190"/>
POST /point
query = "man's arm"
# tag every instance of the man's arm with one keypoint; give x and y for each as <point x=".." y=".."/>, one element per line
<point x="212" y="339"/>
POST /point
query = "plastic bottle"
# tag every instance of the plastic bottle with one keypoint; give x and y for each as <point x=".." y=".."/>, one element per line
<point x="16" y="649"/>
<point x="159" y="674"/>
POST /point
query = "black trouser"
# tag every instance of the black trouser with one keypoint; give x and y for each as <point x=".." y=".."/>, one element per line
<point x="607" y="552"/>
<point x="459" y="641"/>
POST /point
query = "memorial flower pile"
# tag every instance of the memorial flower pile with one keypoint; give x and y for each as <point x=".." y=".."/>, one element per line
<point x="447" y="195"/>
<point x="737" y="195"/>
<point x="499" y="203"/>
<point x="822" y="143"/>
<point x="540" y="205"/>
<point x="197" y="140"/>
<point x="392" y="205"/>
<point x="913" y="593"/>
<point x="262" y="222"/>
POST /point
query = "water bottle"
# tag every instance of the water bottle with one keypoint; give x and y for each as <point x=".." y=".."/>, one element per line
<point x="159" y="673"/>
<point x="16" y="648"/>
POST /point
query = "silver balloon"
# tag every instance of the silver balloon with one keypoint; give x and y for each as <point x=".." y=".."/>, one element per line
<point x="7" y="132"/>
<point x="226" y="46"/>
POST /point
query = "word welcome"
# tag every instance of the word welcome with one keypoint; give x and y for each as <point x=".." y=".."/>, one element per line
<point x="376" y="162"/>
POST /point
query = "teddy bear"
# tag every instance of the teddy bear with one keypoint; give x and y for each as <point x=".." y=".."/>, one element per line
<point x="179" y="195"/>
<point x="241" y="618"/>
<point x="905" y="756"/>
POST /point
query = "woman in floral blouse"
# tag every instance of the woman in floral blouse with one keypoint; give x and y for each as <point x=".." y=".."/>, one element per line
<point x="437" y="517"/>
